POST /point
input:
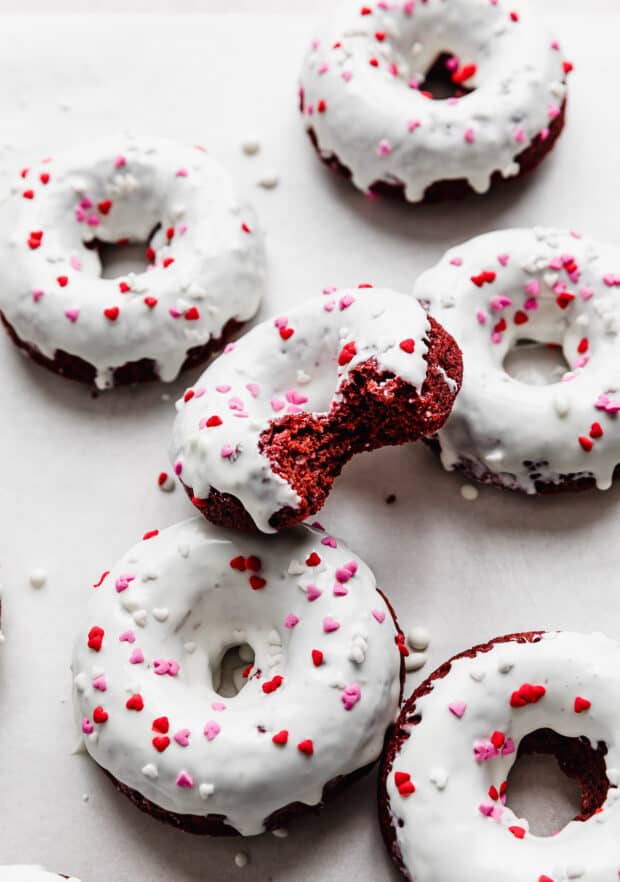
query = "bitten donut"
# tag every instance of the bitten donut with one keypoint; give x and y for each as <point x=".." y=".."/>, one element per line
<point x="30" y="874"/>
<point x="204" y="250"/>
<point x="367" y="94"/>
<point x="260" y="437"/>
<point x="537" y="285"/>
<point x="443" y="784"/>
<point x="323" y="687"/>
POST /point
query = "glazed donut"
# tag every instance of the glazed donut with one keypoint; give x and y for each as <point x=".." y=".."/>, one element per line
<point x="323" y="687"/>
<point x="205" y="254"/>
<point x="538" y="285"/>
<point x="443" y="782"/>
<point x="367" y="109"/>
<point x="30" y="874"/>
<point x="259" y="439"/>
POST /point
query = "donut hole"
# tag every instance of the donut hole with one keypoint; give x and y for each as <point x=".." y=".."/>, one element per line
<point x="534" y="363"/>
<point x="117" y="259"/>
<point x="234" y="670"/>
<point x="438" y="83"/>
<point x="556" y="779"/>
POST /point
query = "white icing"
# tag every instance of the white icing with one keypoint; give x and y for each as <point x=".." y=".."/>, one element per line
<point x="498" y="423"/>
<point x="280" y="372"/>
<point x="24" y="873"/>
<point x="444" y="824"/>
<point x="239" y="773"/>
<point x="380" y="126"/>
<point x="217" y="273"/>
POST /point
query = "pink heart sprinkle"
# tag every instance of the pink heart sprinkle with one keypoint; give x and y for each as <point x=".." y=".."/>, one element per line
<point x="312" y="593"/>
<point x="346" y="301"/>
<point x="185" y="780"/>
<point x="227" y="451"/>
<point x="456" y="261"/>
<point x="182" y="173"/>
<point x="223" y="388"/>
<point x="218" y="706"/>
<point x="72" y="314"/>
<point x="277" y="404"/>
<point x="329" y="306"/>
<point x="408" y="7"/>
<point x="212" y="730"/>
<point x="503" y="259"/>
<point x="470" y="136"/>
<point x="330" y="624"/>
<point x="182" y="737"/>
<point x="457" y="708"/>
<point x="346" y="75"/>
<point x="37" y="295"/>
<point x="87" y="726"/>
<point x="385" y="148"/>
<point x="340" y="590"/>
<point x="482" y="317"/>
<point x="530" y="303"/>
<point x="379" y="615"/>
<point x="136" y="657"/>
<point x="119" y="162"/>
<point x="343" y="574"/>
<point x="350" y="696"/>
<point x="329" y="541"/>
<point x="413" y="124"/>
<point x="253" y="389"/>
<point x="122" y="583"/>
<point x="280" y="322"/>
<point x="127" y="637"/>
<point x="291" y="620"/>
<point x="100" y="683"/>
<point x="533" y="288"/>
<point x="75" y="263"/>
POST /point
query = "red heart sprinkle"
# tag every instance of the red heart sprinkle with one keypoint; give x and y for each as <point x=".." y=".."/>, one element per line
<point x="518" y="832"/>
<point x="44" y="177"/>
<point x="111" y="313"/>
<point x="306" y="747"/>
<point x="317" y="658"/>
<point x="585" y="443"/>
<point x="564" y="300"/>
<point x="406" y="789"/>
<point x="238" y="563"/>
<point x="28" y="194"/>
<point x="213" y="421"/>
<point x="245" y="228"/>
<point x="95" y="638"/>
<point x="151" y="302"/>
<point x="498" y="739"/>
<point x="521" y="317"/>
<point x="104" y="206"/>
<point x="348" y="351"/>
<point x="568" y="66"/>
<point x="401" y="778"/>
<point x="286" y="333"/>
<point x="161" y="724"/>
<point x="256" y="583"/>
<point x="150" y="533"/>
<point x="596" y="430"/>
<point x="280" y="738"/>
<point x="253" y="563"/>
<point x="63" y="281"/>
<point x="192" y="314"/>
<point x="321" y="106"/>
<point x="135" y="703"/>
<point x="99" y="715"/>
<point x="407" y="345"/>
<point x="161" y="742"/>
<point x="150" y="254"/>
<point x="380" y="36"/>
<point x="313" y="560"/>
<point x="583" y="346"/>
<point x="514" y="16"/>
<point x="582" y="704"/>
<point x="170" y="233"/>
<point x="464" y="73"/>
<point x="273" y="684"/>
<point x="167" y="261"/>
<point x="123" y="287"/>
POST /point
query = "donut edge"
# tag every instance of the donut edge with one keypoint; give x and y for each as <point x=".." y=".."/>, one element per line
<point x="408" y="718"/>
<point x="455" y="189"/>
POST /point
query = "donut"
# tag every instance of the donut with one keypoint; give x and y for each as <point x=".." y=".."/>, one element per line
<point x="433" y="99"/>
<point x="204" y="250"/>
<point x="23" y="873"/>
<point x="320" y="693"/>
<point x="260" y="437"/>
<point x="443" y="781"/>
<point x="538" y="285"/>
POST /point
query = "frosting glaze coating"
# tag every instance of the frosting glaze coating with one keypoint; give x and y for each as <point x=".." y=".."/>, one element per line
<point x="323" y="688"/>
<point x="297" y="364"/>
<point x="206" y="255"/>
<point x="456" y="740"/>
<point x="25" y="873"/>
<point x="363" y="96"/>
<point x="547" y="286"/>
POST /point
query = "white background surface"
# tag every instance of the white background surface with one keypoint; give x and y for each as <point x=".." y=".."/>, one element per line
<point x="79" y="473"/>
